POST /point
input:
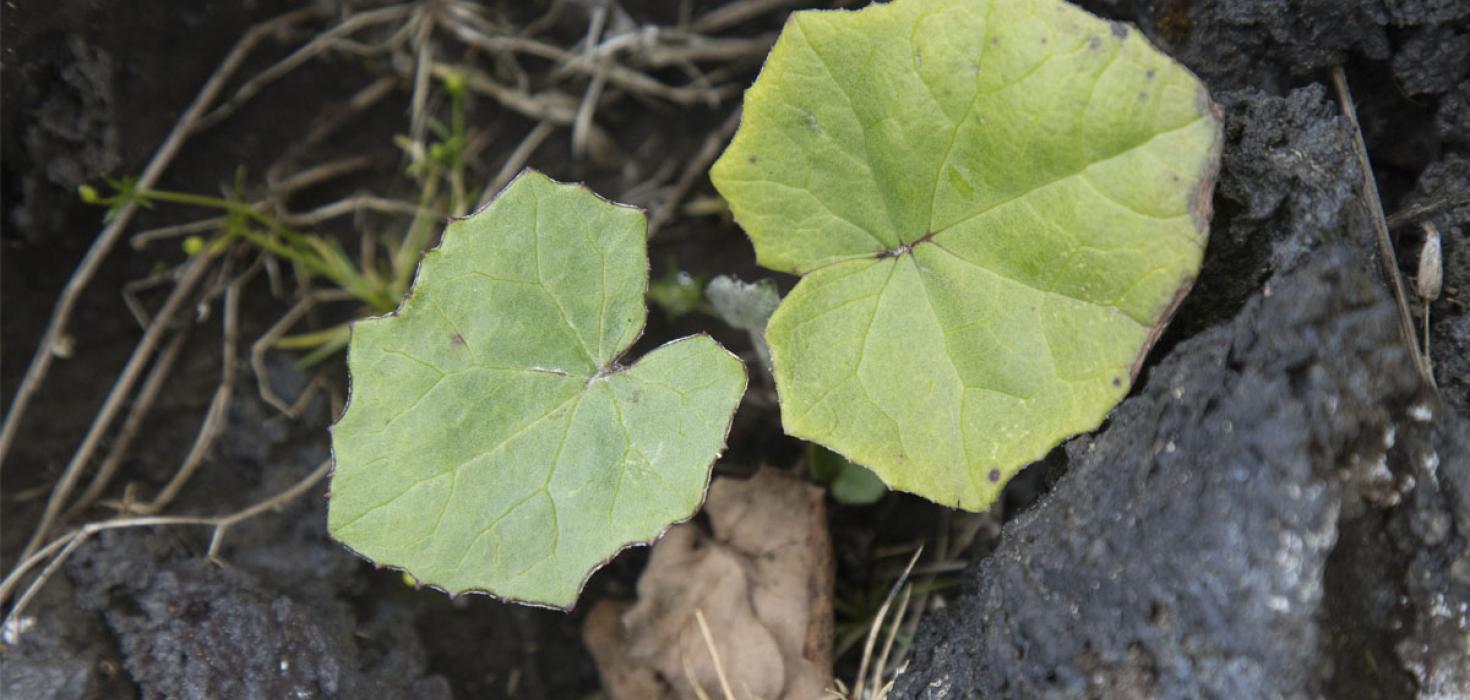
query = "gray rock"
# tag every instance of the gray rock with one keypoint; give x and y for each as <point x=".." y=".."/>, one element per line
<point x="1282" y="512"/>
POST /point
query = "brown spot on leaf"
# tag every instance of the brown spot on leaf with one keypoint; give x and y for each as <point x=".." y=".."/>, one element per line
<point x="1118" y="29"/>
<point x="457" y="339"/>
<point x="994" y="476"/>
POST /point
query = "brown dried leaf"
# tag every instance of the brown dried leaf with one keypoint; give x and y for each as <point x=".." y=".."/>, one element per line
<point x="764" y="584"/>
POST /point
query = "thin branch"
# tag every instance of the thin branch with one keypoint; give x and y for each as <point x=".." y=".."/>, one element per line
<point x="142" y="406"/>
<point x="217" y="414"/>
<point x="92" y="261"/>
<point x="351" y="205"/>
<point x="1424" y="210"/>
<point x="318" y="174"/>
<point x="697" y="168"/>
<point x="263" y="344"/>
<point x="731" y="14"/>
<point x="311" y="49"/>
<point x="193" y="274"/>
<point x="516" y="161"/>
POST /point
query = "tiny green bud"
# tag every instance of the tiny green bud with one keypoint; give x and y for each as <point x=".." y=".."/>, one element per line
<point x="88" y="193"/>
<point x="454" y="83"/>
<point x="193" y="245"/>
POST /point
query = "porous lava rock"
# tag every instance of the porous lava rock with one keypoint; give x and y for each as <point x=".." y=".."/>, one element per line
<point x="1283" y="511"/>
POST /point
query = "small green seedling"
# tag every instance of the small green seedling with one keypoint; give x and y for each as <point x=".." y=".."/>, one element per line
<point x="994" y="205"/>
<point x="852" y="484"/>
<point x="494" y="440"/>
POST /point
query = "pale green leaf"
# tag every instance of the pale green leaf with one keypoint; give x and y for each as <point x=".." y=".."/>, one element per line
<point x="995" y="205"/>
<point x="747" y="306"/>
<point x="493" y="441"/>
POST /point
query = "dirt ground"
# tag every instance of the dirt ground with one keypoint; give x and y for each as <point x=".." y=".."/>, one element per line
<point x="92" y="87"/>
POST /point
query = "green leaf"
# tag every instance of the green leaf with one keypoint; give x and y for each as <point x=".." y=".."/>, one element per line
<point x="746" y="306"/>
<point x="995" y="206"/>
<point x="493" y="442"/>
<point x="849" y="483"/>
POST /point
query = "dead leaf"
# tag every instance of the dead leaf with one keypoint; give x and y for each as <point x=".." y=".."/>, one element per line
<point x="764" y="584"/>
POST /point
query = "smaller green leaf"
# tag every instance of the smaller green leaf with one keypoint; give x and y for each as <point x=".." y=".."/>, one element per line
<point x="493" y="441"/>
<point x="746" y="306"/>
<point x="849" y="483"/>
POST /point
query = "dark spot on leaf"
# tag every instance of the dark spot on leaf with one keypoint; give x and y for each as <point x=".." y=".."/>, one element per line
<point x="1094" y="43"/>
<point x="752" y="160"/>
<point x="1043" y="41"/>
<point x="457" y="339"/>
<point x="1119" y="29"/>
<point x="1150" y="74"/>
<point x="1142" y="96"/>
<point x="1117" y="381"/>
<point x="995" y="41"/>
<point x="994" y="476"/>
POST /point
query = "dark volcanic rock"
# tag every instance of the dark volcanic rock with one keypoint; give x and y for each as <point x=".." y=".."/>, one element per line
<point x="1432" y="61"/>
<point x="276" y="618"/>
<point x="1287" y="183"/>
<point x="1452" y="121"/>
<point x="189" y="628"/>
<point x="1264" y="43"/>
<point x="1282" y="512"/>
<point x="64" y="653"/>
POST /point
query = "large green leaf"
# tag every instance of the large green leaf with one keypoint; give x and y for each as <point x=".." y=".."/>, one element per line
<point x="493" y="441"/>
<point x="995" y="205"/>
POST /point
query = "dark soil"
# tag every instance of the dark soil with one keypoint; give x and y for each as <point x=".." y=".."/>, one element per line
<point x="1239" y="476"/>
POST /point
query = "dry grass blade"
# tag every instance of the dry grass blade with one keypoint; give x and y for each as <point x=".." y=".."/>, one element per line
<point x="714" y="653"/>
<point x="880" y="668"/>
<point x="857" y="685"/>
<point x="1387" y="258"/>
